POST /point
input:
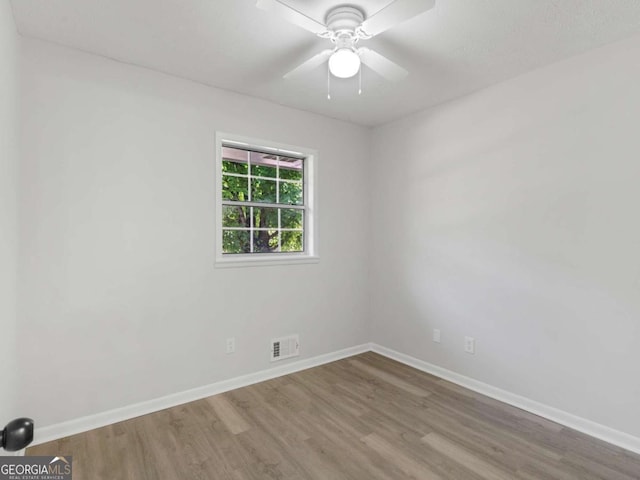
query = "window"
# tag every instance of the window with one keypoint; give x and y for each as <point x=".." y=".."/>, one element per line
<point x="265" y="202"/>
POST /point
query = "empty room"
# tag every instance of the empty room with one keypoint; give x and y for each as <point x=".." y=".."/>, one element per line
<point x="296" y="239"/>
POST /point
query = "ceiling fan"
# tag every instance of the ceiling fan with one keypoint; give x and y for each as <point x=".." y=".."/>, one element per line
<point x="345" y="26"/>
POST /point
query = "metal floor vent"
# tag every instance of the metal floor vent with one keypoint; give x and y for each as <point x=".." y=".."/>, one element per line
<point x="285" y="347"/>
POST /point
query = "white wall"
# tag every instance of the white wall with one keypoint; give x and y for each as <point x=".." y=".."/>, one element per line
<point x="120" y="300"/>
<point x="9" y="72"/>
<point x="511" y="215"/>
<point x="508" y="215"/>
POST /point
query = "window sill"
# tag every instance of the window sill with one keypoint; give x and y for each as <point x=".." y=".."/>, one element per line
<point x="250" y="261"/>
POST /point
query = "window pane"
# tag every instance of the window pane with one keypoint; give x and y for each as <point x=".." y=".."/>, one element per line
<point x="265" y="217"/>
<point x="291" y="193"/>
<point x="265" y="241"/>
<point x="263" y="201"/>
<point x="262" y="171"/>
<point x="235" y="154"/>
<point x="291" y="168"/>
<point x="291" y="218"/>
<point x="235" y="188"/>
<point x="234" y="167"/>
<point x="263" y="164"/>
<point x="263" y="190"/>
<point x="292" y="242"/>
<point x="235" y="216"/>
<point x="290" y="174"/>
<point x="235" y="241"/>
<point x="235" y="160"/>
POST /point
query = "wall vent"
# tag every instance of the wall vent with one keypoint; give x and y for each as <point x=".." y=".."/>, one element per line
<point x="285" y="347"/>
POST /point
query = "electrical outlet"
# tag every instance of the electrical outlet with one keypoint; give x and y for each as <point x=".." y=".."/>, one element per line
<point x="470" y="345"/>
<point x="436" y="335"/>
<point x="231" y="345"/>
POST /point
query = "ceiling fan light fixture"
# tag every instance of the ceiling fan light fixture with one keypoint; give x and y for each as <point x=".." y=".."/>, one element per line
<point x="344" y="63"/>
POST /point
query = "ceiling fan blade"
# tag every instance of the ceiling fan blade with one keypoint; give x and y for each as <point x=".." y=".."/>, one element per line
<point x="395" y="13"/>
<point x="292" y="15"/>
<point x="382" y="65"/>
<point x="310" y="64"/>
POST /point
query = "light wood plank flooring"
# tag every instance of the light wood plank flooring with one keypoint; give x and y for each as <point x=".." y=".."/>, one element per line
<point x="366" y="417"/>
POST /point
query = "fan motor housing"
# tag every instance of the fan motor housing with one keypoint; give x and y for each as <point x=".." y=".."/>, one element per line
<point x="344" y="18"/>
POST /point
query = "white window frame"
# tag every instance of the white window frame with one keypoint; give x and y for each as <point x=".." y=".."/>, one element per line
<point x="310" y="254"/>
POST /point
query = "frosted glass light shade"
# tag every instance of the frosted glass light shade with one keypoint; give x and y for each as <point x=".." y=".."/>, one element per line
<point x="344" y="63"/>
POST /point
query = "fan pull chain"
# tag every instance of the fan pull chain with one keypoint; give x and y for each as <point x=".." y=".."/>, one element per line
<point x="360" y="82"/>
<point x="328" y="82"/>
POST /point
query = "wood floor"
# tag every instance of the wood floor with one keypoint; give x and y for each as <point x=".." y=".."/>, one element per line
<point x="366" y="417"/>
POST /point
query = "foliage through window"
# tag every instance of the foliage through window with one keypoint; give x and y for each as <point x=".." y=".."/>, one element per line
<point x="263" y="202"/>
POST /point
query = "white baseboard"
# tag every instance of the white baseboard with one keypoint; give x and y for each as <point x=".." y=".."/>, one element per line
<point x="72" y="427"/>
<point x="615" y="437"/>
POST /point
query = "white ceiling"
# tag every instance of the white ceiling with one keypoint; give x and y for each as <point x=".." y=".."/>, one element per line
<point x="454" y="49"/>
